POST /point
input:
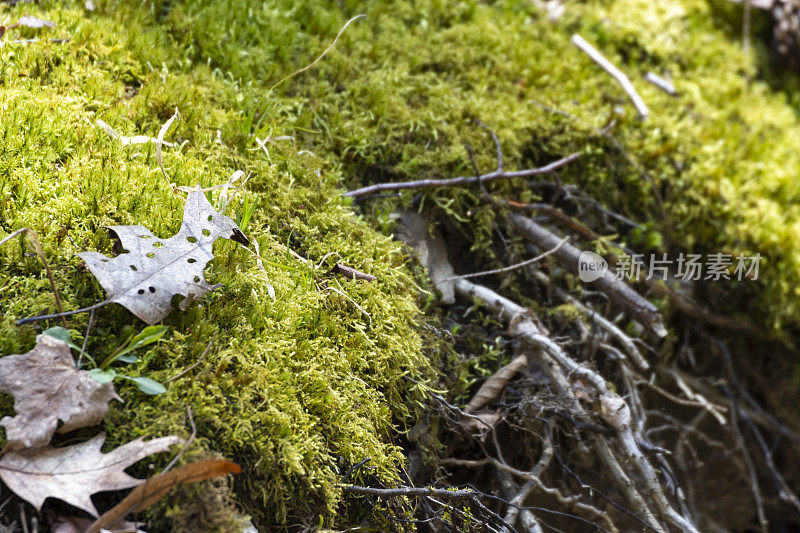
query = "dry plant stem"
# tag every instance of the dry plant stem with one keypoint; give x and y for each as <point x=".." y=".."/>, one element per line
<point x="557" y="365"/>
<point x="465" y="180"/>
<point x="188" y="442"/>
<point x="521" y="264"/>
<point x="193" y="366"/>
<point x="662" y="83"/>
<point x="751" y="468"/>
<point x="600" y="321"/>
<point x="616" y="73"/>
<point x="638" y="307"/>
<point x="328" y="49"/>
<point x="40" y="252"/>
<point x="444" y="494"/>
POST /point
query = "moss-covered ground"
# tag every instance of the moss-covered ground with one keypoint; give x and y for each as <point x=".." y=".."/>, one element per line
<point x="299" y="389"/>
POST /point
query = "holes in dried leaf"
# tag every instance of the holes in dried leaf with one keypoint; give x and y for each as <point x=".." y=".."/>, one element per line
<point x="133" y="267"/>
<point x="206" y="232"/>
<point x="152" y="289"/>
<point x="140" y="291"/>
<point x="158" y="244"/>
<point x="210" y="218"/>
<point x="197" y="279"/>
<point x="191" y="239"/>
<point x="151" y="255"/>
<point x="144" y="236"/>
<point x="191" y="260"/>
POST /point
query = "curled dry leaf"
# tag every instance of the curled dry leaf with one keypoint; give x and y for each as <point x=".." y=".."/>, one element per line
<point x="492" y="387"/>
<point x="155" y="488"/>
<point x="74" y="473"/>
<point x="47" y="388"/>
<point x="145" y="279"/>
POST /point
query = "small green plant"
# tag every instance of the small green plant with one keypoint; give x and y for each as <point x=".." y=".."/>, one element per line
<point x="132" y="341"/>
<point x="148" y="335"/>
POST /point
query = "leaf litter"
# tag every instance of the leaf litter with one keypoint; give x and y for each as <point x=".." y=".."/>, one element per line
<point x="47" y="387"/>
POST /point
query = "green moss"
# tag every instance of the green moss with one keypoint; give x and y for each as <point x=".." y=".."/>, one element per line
<point x="299" y="389"/>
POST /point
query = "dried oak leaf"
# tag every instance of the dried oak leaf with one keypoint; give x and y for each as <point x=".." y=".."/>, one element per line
<point x="145" y="279"/>
<point x="74" y="473"/>
<point x="47" y="387"/>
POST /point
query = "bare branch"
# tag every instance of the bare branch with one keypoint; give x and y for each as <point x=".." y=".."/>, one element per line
<point x="465" y="180"/>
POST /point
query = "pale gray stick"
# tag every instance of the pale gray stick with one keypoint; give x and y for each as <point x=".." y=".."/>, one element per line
<point x="616" y="73"/>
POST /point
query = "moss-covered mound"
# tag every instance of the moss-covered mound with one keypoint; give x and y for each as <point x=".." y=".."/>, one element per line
<point x="300" y="388"/>
<point x="295" y="389"/>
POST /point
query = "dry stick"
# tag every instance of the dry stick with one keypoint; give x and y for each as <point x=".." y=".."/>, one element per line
<point x="37" y="318"/>
<point x="662" y="83"/>
<point x="627" y="343"/>
<point x="522" y="325"/>
<point x="463" y="180"/>
<point x="638" y="307"/>
<point x="554" y="361"/>
<point x="616" y="73"/>
<point x="40" y="252"/>
<point x="751" y="468"/>
<point x="445" y="494"/>
<point x="557" y="364"/>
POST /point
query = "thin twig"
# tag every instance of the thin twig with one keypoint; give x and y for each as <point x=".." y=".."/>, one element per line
<point x="328" y="49"/>
<point x="662" y="83"/>
<point x="192" y="366"/>
<point x="509" y="268"/>
<point x="463" y="180"/>
<point x="412" y="491"/>
<point x="40" y="252"/>
<point x="185" y="446"/>
<point x="37" y="318"/>
<point x="85" y="338"/>
<point x="616" y="73"/>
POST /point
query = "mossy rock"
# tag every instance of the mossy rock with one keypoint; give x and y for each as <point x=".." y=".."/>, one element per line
<point x="300" y="388"/>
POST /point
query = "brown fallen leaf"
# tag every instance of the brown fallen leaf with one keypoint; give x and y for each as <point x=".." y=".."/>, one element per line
<point x="145" y="279"/>
<point x="492" y="387"/>
<point x="73" y="473"/>
<point x="47" y="388"/>
<point x="150" y="492"/>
